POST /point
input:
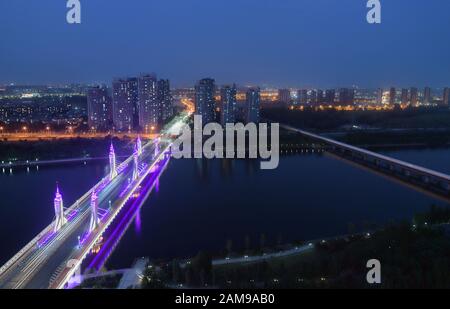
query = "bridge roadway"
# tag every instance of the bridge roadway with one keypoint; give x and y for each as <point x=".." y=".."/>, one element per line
<point x="143" y="186"/>
<point x="421" y="178"/>
<point x="45" y="259"/>
<point x="41" y="262"/>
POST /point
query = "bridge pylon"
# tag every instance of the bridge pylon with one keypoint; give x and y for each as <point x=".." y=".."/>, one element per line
<point x="59" y="211"/>
<point x="112" y="163"/>
<point x="139" y="145"/>
<point x="94" y="212"/>
<point x="136" y="163"/>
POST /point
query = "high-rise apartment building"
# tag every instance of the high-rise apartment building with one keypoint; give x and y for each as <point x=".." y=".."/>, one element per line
<point x="346" y="96"/>
<point x="125" y="104"/>
<point x="99" y="108"/>
<point x="414" y="96"/>
<point x="427" y="96"/>
<point x="446" y="97"/>
<point x="405" y="97"/>
<point x="392" y="96"/>
<point x="302" y="96"/>
<point x="330" y="95"/>
<point x="319" y="96"/>
<point x="284" y="96"/>
<point x="204" y="99"/>
<point x="165" y="99"/>
<point x="253" y="99"/>
<point x="149" y="109"/>
<point x="228" y="104"/>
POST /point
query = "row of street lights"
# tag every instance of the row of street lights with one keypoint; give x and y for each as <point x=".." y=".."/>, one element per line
<point x="70" y="129"/>
<point x="25" y="129"/>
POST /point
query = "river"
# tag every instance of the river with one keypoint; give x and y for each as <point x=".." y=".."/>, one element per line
<point x="202" y="204"/>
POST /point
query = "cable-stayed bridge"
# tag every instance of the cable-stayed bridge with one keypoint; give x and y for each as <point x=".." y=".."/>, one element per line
<point x="87" y="231"/>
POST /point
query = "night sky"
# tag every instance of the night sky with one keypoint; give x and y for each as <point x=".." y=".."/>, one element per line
<point x="295" y="43"/>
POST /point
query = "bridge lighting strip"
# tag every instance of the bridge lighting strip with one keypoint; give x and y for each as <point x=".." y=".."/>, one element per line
<point x="67" y="212"/>
<point x="87" y="249"/>
<point x="74" y="207"/>
<point x="119" y="230"/>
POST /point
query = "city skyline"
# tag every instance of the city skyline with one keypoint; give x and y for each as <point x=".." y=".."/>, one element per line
<point x="285" y="44"/>
<point x="239" y="86"/>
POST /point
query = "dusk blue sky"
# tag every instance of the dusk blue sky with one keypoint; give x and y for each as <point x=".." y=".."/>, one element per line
<point x="295" y="43"/>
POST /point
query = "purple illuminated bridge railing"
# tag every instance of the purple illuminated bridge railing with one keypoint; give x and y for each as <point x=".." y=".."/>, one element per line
<point x="124" y="198"/>
<point x="129" y="204"/>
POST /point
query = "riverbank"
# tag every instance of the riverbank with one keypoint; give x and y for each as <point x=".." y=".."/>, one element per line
<point x="383" y="138"/>
<point x="412" y="255"/>
<point x="37" y="162"/>
<point x="395" y="138"/>
<point x="333" y="120"/>
<point x="26" y="153"/>
<point x="56" y="136"/>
